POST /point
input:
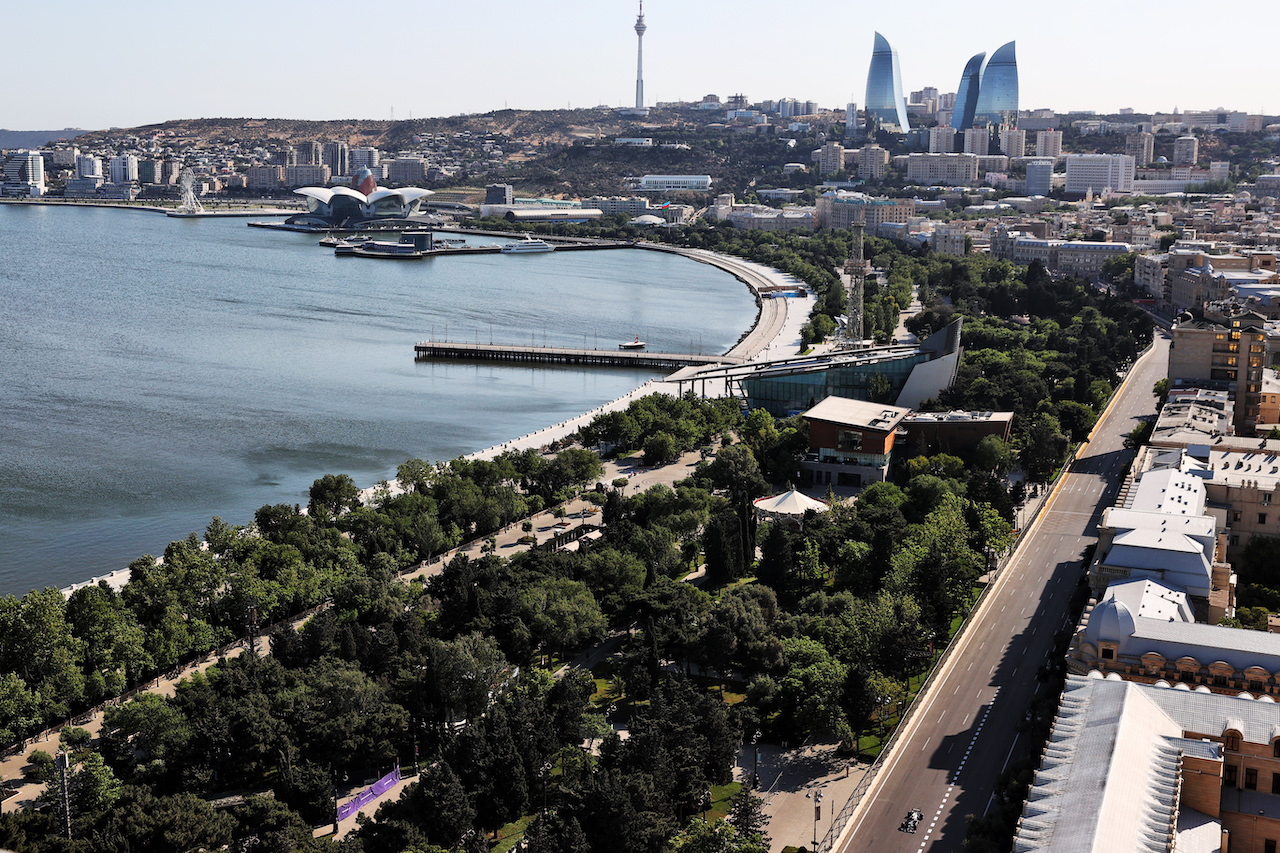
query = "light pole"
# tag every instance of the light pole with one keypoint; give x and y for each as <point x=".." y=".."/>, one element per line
<point x="755" y="762"/>
<point x="817" y="814"/>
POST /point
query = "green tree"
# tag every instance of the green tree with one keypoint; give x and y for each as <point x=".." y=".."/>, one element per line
<point x="334" y="494"/>
<point x="562" y="613"/>
<point x="746" y="815"/>
<point x="659" y="449"/>
<point x="717" y="837"/>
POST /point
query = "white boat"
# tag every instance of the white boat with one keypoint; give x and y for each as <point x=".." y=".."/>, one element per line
<point x="636" y="344"/>
<point x="528" y="244"/>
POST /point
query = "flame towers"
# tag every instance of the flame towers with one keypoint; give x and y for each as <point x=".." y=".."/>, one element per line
<point x="988" y="94"/>
<point x="886" y="108"/>
<point x="998" y="94"/>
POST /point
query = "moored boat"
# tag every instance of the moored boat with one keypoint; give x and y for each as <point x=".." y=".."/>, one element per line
<point x="527" y="245"/>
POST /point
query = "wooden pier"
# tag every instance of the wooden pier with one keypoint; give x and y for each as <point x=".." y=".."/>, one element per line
<point x="432" y="350"/>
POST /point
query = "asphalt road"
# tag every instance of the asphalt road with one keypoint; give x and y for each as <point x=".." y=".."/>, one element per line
<point x="966" y="729"/>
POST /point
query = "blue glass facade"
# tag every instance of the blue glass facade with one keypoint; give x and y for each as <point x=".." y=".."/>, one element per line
<point x="886" y="107"/>
<point x="998" y="93"/>
<point x="781" y="395"/>
<point x="967" y="94"/>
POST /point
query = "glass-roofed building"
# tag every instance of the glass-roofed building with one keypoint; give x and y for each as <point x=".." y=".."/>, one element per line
<point x="905" y="375"/>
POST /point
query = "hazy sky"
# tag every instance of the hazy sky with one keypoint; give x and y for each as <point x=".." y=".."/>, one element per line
<point x="132" y="62"/>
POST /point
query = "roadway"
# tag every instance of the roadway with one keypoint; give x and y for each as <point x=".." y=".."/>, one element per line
<point x="966" y="728"/>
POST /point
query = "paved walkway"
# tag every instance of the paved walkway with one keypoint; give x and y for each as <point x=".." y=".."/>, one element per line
<point x="789" y="780"/>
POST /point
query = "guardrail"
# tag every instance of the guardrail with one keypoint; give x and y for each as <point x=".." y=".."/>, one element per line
<point x="841" y="820"/>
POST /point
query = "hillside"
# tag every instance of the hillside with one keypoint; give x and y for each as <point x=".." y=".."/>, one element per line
<point x="536" y="127"/>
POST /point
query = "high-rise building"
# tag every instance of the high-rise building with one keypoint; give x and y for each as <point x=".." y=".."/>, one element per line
<point x="337" y="156"/>
<point x="150" y="171"/>
<point x="1039" y="177"/>
<point x="977" y="140"/>
<point x="24" y="174"/>
<point x="1220" y="170"/>
<point x="947" y="101"/>
<point x="1141" y="147"/>
<point x="1097" y="172"/>
<point x="830" y="159"/>
<point x="1013" y="142"/>
<point x="88" y="166"/>
<point x="942" y="139"/>
<point x="1049" y="143"/>
<point x="365" y="158"/>
<point x="124" y="169"/>
<point x="1186" y="150"/>
<point x="873" y="162"/>
<point x="850" y="117"/>
<point x="886" y="108"/>
<point x="988" y="93"/>
<point x="967" y="95"/>
<point x="309" y="154"/>
<point x="998" y="92"/>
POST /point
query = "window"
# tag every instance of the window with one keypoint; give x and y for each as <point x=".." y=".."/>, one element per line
<point x="1229" y="775"/>
<point x="1251" y="779"/>
<point x="1235" y="516"/>
<point x="848" y="439"/>
<point x="1275" y="783"/>
<point x="1232" y="740"/>
<point x="1108" y="654"/>
<point x="1262" y="518"/>
<point x="1269" y="846"/>
<point x="1235" y="540"/>
<point x="1219" y="681"/>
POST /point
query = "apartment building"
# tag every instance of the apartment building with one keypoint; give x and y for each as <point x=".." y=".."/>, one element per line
<point x="950" y="169"/>
<point x="1097" y="172"/>
<point x="1049" y="143"/>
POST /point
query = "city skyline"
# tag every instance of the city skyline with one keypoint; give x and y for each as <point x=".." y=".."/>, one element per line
<point x="467" y="65"/>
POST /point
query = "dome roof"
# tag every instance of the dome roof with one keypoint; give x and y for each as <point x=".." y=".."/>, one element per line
<point x="1110" y="621"/>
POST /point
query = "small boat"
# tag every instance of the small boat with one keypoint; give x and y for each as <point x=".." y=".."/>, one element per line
<point x="636" y="344"/>
<point x="528" y="244"/>
<point x="451" y="241"/>
<point x="331" y="241"/>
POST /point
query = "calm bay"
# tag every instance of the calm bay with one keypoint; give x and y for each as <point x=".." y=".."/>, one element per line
<point x="159" y="372"/>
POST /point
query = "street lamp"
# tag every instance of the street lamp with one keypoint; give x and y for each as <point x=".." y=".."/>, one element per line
<point x="817" y="814"/>
<point x="755" y="763"/>
<point x="546" y="780"/>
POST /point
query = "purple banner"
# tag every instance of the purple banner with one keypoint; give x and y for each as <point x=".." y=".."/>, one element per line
<point x="368" y="795"/>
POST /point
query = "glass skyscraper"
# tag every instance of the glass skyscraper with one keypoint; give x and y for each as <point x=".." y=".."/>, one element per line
<point x="967" y="94"/>
<point x="886" y="107"/>
<point x="998" y="93"/>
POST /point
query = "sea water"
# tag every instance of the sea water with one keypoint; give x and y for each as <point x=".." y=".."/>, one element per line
<point x="158" y="372"/>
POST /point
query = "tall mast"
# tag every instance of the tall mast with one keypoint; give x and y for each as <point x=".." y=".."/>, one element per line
<point x="640" y="28"/>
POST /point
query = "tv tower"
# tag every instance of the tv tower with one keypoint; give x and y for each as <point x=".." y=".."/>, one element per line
<point x="640" y="28"/>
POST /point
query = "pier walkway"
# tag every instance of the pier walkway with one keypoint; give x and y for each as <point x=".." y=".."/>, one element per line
<point x="430" y="350"/>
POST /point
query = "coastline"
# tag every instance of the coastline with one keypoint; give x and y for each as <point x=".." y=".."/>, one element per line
<point x="775" y="332"/>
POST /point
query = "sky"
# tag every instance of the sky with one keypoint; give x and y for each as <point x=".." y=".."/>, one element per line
<point x="135" y="62"/>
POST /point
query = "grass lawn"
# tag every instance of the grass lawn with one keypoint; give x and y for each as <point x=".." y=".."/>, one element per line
<point x="509" y="836"/>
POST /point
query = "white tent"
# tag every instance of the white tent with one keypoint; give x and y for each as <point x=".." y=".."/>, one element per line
<point x="789" y="506"/>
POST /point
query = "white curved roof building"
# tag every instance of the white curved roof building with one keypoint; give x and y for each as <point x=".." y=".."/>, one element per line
<point x="330" y="206"/>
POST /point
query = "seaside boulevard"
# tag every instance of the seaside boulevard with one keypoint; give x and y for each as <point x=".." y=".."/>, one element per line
<point x="775" y="333"/>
